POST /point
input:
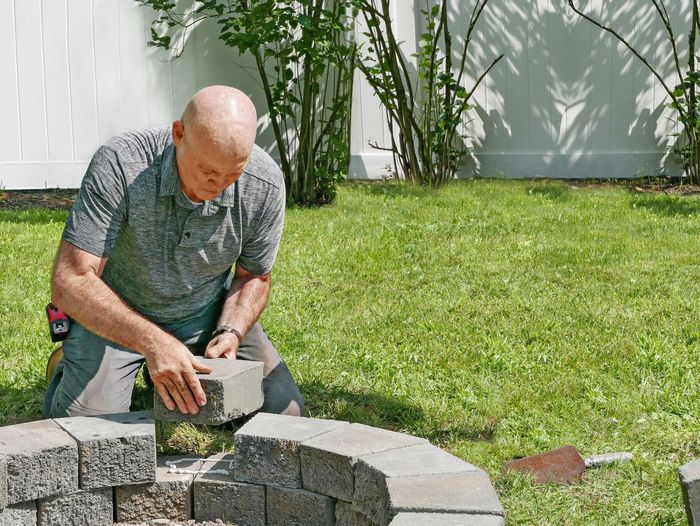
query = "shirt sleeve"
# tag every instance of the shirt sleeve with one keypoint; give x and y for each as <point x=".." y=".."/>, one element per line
<point x="100" y="208"/>
<point x="259" y="250"/>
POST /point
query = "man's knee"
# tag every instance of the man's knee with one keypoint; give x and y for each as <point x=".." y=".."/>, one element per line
<point x="282" y="396"/>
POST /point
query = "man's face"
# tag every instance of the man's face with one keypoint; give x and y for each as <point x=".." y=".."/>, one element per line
<point x="205" y="169"/>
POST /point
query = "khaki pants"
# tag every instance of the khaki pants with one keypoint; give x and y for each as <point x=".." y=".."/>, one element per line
<point x="96" y="376"/>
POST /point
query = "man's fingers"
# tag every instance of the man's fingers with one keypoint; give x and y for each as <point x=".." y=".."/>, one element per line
<point x="187" y="395"/>
<point x="196" y="387"/>
<point x="214" y="350"/>
<point x="165" y="396"/>
<point x="200" y="367"/>
<point x="177" y="396"/>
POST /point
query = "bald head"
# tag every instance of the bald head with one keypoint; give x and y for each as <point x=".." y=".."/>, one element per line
<point x="214" y="139"/>
<point x="223" y="116"/>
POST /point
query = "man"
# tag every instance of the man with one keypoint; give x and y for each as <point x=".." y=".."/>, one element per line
<point x="161" y="218"/>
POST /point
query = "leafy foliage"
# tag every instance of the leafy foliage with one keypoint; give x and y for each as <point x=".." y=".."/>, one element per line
<point x="425" y="109"/>
<point x="305" y="62"/>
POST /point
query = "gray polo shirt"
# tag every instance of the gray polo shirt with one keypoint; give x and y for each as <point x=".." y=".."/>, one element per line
<point x="168" y="257"/>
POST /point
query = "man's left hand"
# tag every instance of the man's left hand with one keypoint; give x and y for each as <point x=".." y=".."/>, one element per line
<point x="222" y="346"/>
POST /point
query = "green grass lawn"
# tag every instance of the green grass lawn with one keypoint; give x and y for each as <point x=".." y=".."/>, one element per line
<point x="495" y="318"/>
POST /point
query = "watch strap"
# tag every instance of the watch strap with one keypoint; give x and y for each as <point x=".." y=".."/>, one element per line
<point x="221" y="329"/>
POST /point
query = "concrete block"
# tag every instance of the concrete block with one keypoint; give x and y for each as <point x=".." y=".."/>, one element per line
<point x="233" y="389"/>
<point x="169" y="497"/>
<point x="689" y="475"/>
<point x="4" y="497"/>
<point x="371" y="471"/>
<point x="41" y="460"/>
<point x="446" y="519"/>
<point x="82" y="508"/>
<point x="327" y="461"/>
<point x="23" y="514"/>
<point x="563" y="466"/>
<point x="267" y="447"/>
<point x="470" y="492"/>
<point x="115" y="450"/>
<point x="346" y="516"/>
<point x="298" y="507"/>
<point x="218" y="496"/>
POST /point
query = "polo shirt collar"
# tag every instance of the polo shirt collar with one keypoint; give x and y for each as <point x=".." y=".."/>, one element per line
<point x="168" y="172"/>
<point x="169" y="179"/>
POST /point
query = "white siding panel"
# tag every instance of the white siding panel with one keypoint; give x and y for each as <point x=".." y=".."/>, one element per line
<point x="58" y="100"/>
<point x="30" y="74"/>
<point x="542" y="131"/>
<point x="82" y="79"/>
<point x="158" y="77"/>
<point x="107" y="71"/>
<point x="132" y="65"/>
<point x="599" y="82"/>
<point x="10" y="131"/>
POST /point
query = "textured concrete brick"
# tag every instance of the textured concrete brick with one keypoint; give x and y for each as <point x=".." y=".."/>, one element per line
<point x="470" y="492"/>
<point x="169" y="497"/>
<point x="689" y="475"/>
<point x="446" y="519"/>
<point x="267" y="447"/>
<point x="564" y="466"/>
<point x="115" y="450"/>
<point x="23" y="514"/>
<point x="298" y="507"/>
<point x="327" y="461"/>
<point x="371" y="471"/>
<point x="218" y="496"/>
<point x="41" y="460"/>
<point x="4" y="497"/>
<point x="346" y="516"/>
<point x="82" y="508"/>
<point x="233" y="389"/>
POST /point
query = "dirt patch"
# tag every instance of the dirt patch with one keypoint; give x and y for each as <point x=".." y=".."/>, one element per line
<point x="56" y="199"/>
<point x="686" y="189"/>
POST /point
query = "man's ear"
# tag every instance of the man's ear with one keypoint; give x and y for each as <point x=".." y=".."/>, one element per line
<point x="178" y="133"/>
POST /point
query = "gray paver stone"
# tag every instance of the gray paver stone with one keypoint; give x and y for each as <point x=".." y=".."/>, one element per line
<point x="218" y="496"/>
<point x="4" y="497"/>
<point x="346" y="516"/>
<point x="446" y="519"/>
<point x="170" y="496"/>
<point x="327" y="461"/>
<point x="42" y="460"/>
<point x="233" y="390"/>
<point x="82" y="508"/>
<point x="470" y="492"/>
<point x="298" y="507"/>
<point x="23" y="514"/>
<point x="115" y="450"/>
<point x="689" y="475"/>
<point x="371" y="471"/>
<point x="267" y="447"/>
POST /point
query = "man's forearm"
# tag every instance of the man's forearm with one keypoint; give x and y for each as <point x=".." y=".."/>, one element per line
<point x="89" y="300"/>
<point x="245" y="301"/>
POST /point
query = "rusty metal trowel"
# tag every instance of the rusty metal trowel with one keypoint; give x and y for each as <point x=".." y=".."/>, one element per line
<point x="563" y="466"/>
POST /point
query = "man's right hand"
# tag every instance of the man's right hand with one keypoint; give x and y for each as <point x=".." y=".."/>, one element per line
<point x="173" y="371"/>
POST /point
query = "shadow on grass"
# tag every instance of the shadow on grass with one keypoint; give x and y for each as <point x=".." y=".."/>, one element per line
<point x="551" y="191"/>
<point x="22" y="404"/>
<point x="33" y="217"/>
<point x="362" y="407"/>
<point x="392" y="189"/>
<point x="668" y="205"/>
<point x="378" y="410"/>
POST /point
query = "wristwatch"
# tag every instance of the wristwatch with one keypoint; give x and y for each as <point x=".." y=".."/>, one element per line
<point x="221" y="329"/>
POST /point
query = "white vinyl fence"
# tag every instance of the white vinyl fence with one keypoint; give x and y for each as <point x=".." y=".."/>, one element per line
<point x="567" y="101"/>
